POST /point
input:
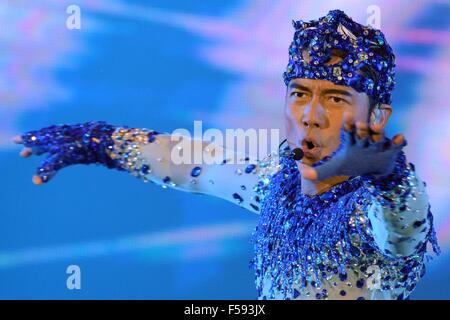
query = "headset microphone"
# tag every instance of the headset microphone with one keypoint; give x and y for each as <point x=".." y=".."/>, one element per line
<point x="297" y="154"/>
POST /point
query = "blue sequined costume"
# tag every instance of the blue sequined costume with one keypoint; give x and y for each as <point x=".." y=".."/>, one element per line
<point x="325" y="246"/>
<point x="365" y="238"/>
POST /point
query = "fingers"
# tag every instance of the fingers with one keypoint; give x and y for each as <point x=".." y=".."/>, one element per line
<point x="26" y="152"/>
<point x="362" y="130"/>
<point x="40" y="141"/>
<point x="348" y="122"/>
<point x="31" y="139"/>
<point x="37" y="180"/>
<point x="17" y="139"/>
<point x="59" y="158"/>
<point x="349" y="128"/>
<point x="52" y="135"/>
<point x="362" y="134"/>
<point x="49" y="168"/>
<point x="396" y="143"/>
<point x="376" y="132"/>
<point x="399" y="140"/>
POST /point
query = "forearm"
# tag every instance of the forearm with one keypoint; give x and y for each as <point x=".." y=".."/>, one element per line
<point x="191" y="165"/>
<point x="147" y="154"/>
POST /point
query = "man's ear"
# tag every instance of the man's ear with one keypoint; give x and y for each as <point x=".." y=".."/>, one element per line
<point x="380" y="114"/>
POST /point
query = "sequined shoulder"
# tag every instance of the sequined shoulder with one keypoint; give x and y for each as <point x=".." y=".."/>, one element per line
<point x="267" y="167"/>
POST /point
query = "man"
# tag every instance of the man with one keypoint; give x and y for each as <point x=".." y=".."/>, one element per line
<point x="351" y="220"/>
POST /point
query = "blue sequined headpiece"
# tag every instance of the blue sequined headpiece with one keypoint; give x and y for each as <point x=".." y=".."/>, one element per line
<point x="368" y="63"/>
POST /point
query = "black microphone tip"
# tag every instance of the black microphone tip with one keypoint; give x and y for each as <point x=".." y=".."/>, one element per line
<point x="297" y="154"/>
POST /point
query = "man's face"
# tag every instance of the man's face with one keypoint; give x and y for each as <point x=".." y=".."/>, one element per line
<point x="314" y="112"/>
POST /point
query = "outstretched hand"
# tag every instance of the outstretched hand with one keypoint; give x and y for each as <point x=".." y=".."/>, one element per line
<point x="364" y="150"/>
<point x="66" y="145"/>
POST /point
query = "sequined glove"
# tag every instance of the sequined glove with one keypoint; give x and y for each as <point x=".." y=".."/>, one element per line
<point x="362" y="151"/>
<point x="66" y="145"/>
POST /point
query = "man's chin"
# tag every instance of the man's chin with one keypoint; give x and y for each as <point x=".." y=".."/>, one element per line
<point x="310" y="160"/>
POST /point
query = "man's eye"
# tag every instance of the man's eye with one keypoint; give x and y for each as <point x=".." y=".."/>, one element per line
<point x="338" y="100"/>
<point x="298" y="94"/>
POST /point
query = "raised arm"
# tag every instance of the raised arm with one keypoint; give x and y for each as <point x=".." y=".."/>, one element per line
<point x="152" y="156"/>
<point x="401" y="218"/>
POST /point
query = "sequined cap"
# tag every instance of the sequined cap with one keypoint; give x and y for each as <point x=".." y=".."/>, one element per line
<point x="368" y="62"/>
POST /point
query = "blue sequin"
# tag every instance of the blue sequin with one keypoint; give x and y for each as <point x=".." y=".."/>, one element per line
<point x="152" y="136"/>
<point x="250" y="168"/>
<point x="196" y="171"/>
<point x="238" y="197"/>
<point x="145" y="168"/>
<point x="417" y="224"/>
<point x="360" y="283"/>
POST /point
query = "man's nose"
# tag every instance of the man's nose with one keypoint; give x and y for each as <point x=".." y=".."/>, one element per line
<point x="314" y="115"/>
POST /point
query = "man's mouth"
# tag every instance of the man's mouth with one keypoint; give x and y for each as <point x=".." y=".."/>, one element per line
<point x="310" y="145"/>
<point x="311" y="148"/>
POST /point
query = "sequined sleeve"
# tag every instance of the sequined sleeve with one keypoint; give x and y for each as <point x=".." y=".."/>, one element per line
<point x="400" y="217"/>
<point x="211" y="169"/>
<point x="267" y="168"/>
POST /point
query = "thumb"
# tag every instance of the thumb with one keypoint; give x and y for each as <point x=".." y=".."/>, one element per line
<point x="306" y="171"/>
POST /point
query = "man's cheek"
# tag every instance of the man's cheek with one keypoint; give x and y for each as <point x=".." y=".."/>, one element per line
<point x="332" y="144"/>
<point x="293" y="126"/>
